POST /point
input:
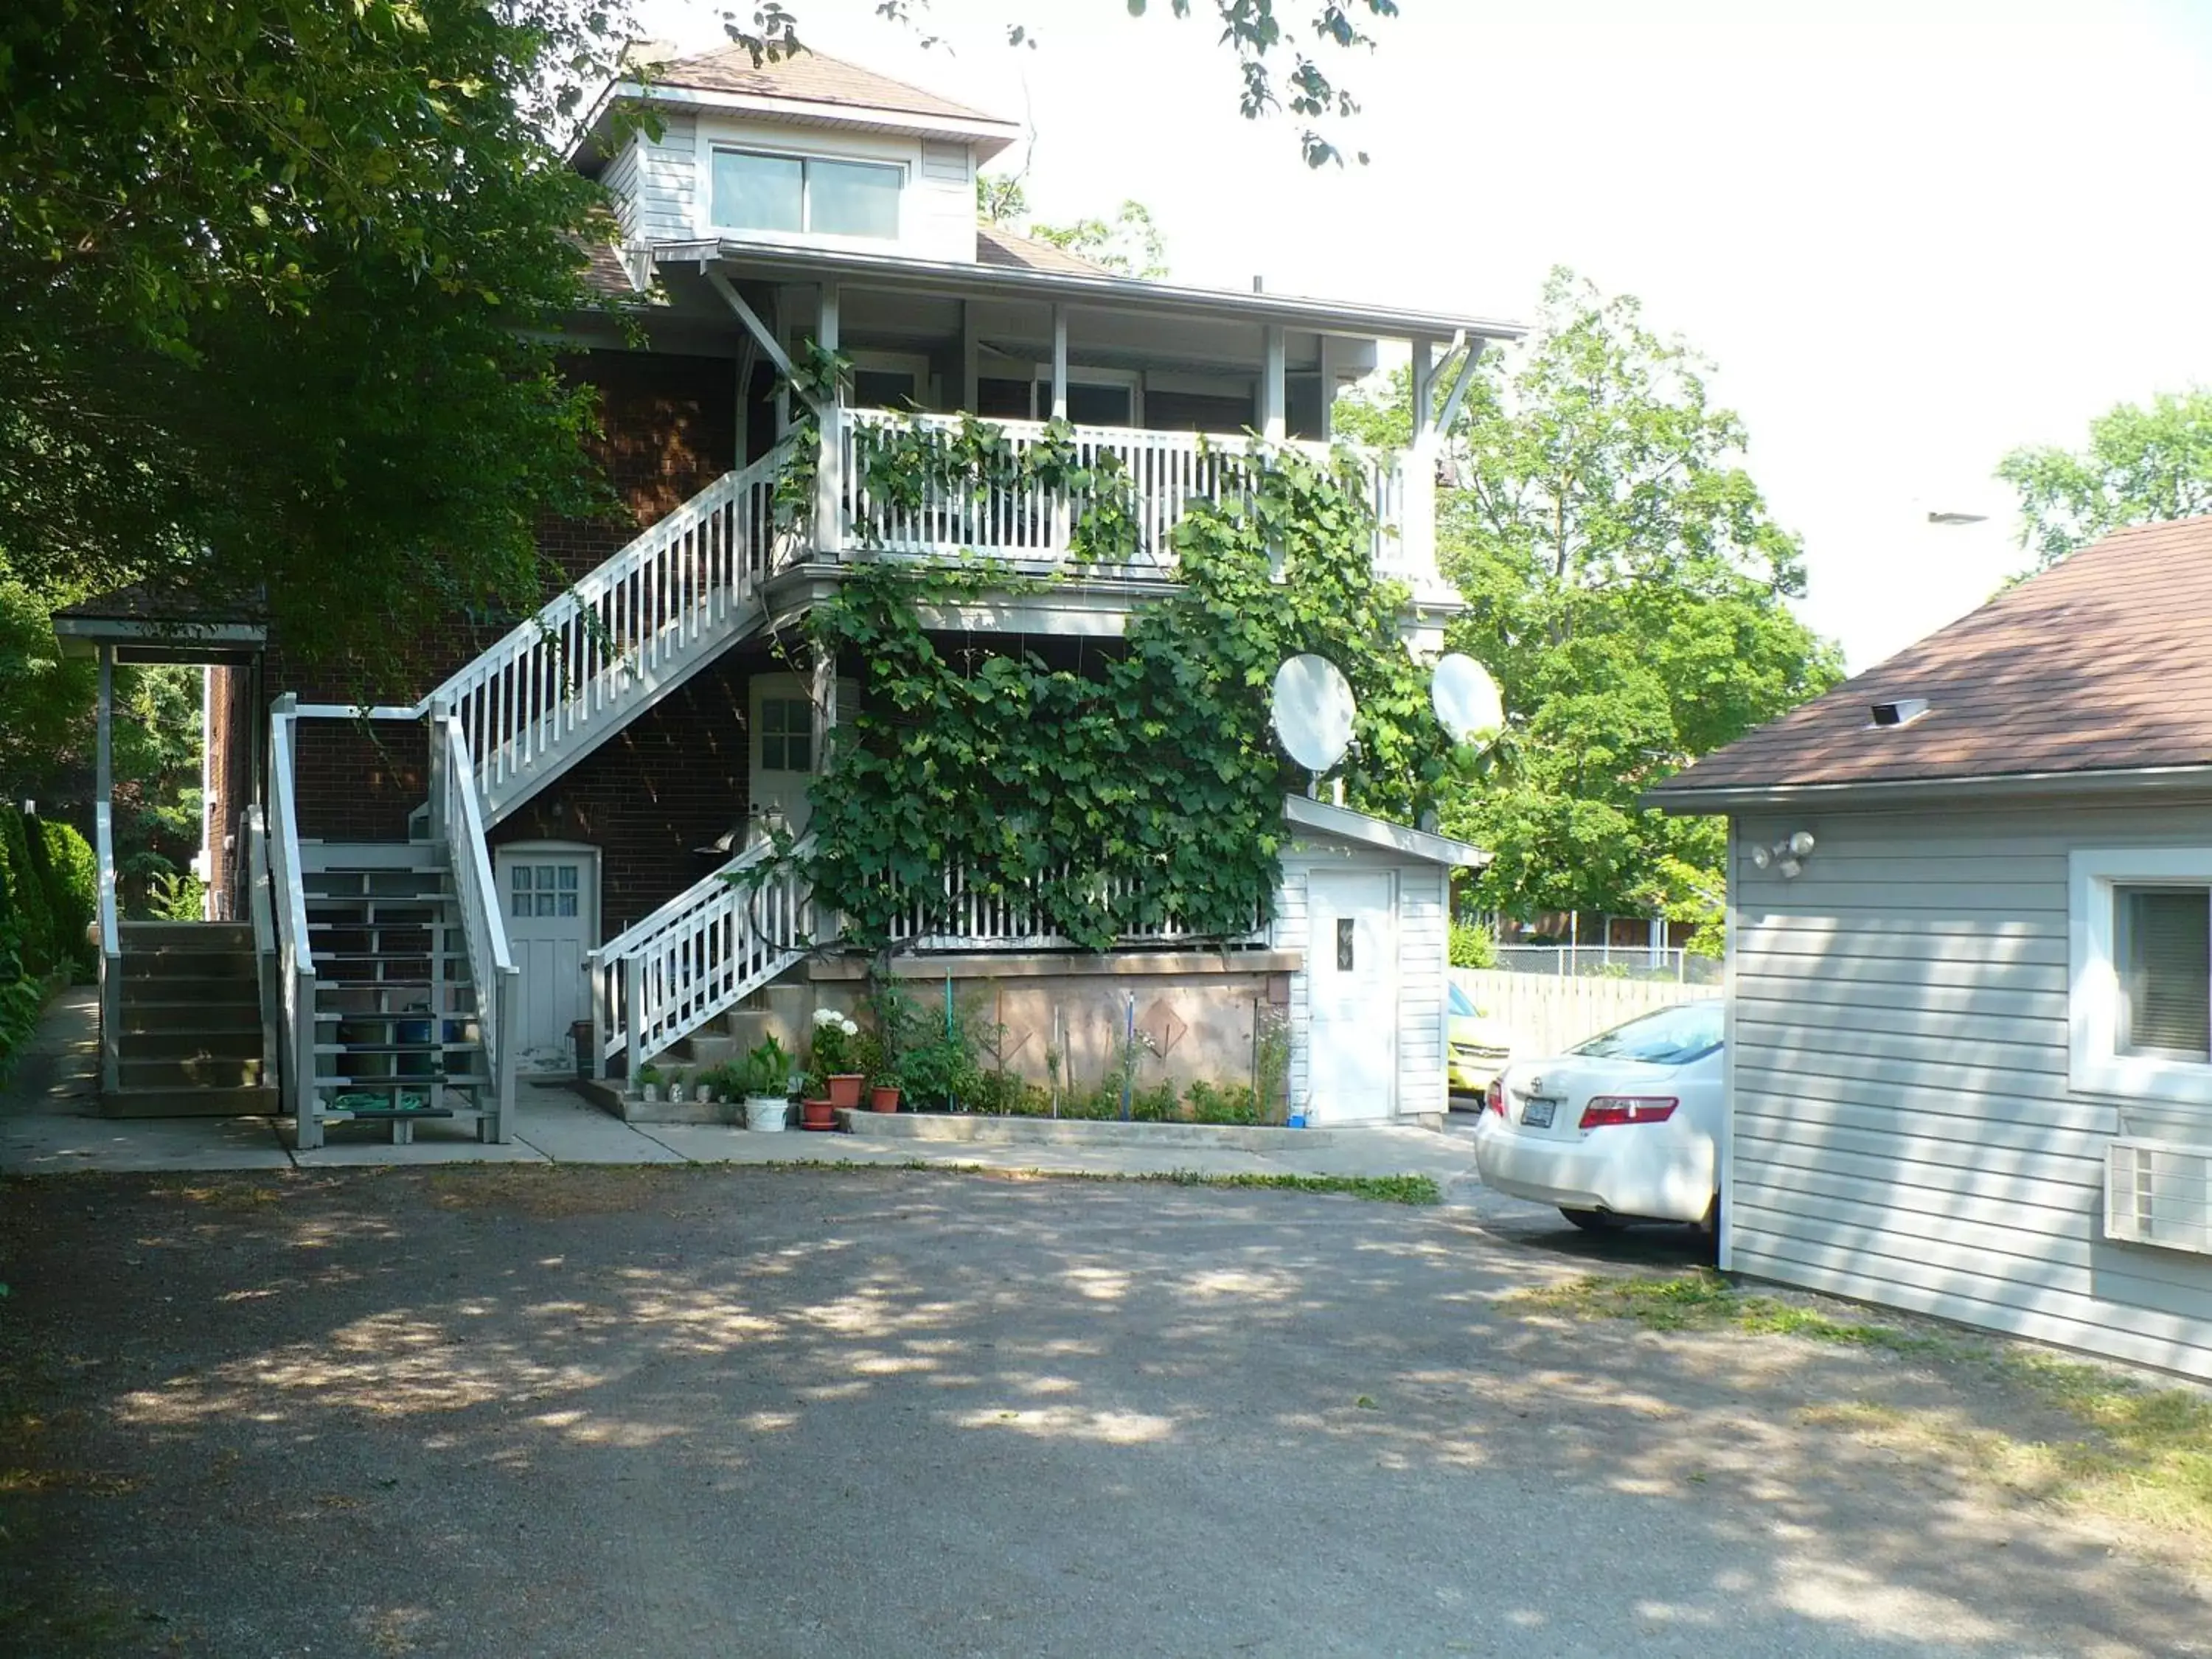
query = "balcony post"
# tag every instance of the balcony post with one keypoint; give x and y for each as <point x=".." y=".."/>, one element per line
<point x="1274" y="424"/>
<point x="830" y="474"/>
<point x="1059" y="362"/>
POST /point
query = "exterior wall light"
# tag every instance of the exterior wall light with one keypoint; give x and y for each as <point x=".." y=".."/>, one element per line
<point x="1787" y="855"/>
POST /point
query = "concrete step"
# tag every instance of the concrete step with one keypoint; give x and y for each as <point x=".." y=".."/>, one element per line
<point x="185" y="936"/>
<point x="198" y="1043"/>
<point x="217" y="1071"/>
<point x="139" y="1020"/>
<point x="258" y="1100"/>
<point x="184" y="966"/>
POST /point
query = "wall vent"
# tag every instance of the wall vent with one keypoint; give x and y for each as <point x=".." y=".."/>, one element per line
<point x="2159" y="1192"/>
<point x="1903" y="712"/>
<point x="941" y="158"/>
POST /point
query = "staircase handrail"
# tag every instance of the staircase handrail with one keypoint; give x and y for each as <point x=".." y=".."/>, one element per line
<point x="111" y="951"/>
<point x="295" y="959"/>
<point x="665" y="976"/>
<point x="253" y="842"/>
<point x="457" y="819"/>
<point x="550" y="674"/>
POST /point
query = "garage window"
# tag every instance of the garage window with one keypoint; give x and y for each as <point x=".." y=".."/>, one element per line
<point x="2140" y="950"/>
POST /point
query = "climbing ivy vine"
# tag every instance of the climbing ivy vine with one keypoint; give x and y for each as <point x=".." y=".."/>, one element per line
<point x="1140" y="784"/>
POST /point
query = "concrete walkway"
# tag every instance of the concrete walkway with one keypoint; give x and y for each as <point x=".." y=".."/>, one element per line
<point x="50" y="1123"/>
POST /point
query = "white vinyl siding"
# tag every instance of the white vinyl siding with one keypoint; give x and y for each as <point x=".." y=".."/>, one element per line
<point x="1902" y="1125"/>
<point x="652" y="182"/>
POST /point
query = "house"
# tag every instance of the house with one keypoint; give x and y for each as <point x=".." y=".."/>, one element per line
<point x="1969" y="1047"/>
<point x="530" y="851"/>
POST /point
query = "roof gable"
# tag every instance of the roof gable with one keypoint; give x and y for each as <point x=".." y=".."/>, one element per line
<point x="2097" y="665"/>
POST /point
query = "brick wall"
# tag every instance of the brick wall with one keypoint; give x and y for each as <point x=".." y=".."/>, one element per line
<point x="669" y="782"/>
<point x="668" y="429"/>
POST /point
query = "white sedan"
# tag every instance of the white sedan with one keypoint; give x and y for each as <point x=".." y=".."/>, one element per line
<point x="1623" y="1127"/>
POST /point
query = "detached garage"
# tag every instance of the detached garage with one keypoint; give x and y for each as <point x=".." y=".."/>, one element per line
<point x="1970" y="966"/>
<point x="1367" y="905"/>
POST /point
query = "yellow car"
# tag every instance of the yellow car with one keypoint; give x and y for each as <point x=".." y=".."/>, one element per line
<point x="1481" y="1047"/>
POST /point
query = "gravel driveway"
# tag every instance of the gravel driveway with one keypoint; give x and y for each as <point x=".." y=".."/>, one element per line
<point x="662" y="1412"/>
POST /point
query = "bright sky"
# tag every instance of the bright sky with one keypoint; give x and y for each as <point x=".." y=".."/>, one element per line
<point x="1912" y="235"/>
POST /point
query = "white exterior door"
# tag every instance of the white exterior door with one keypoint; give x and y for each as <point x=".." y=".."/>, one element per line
<point x="782" y="761"/>
<point x="1352" y="988"/>
<point x="552" y="901"/>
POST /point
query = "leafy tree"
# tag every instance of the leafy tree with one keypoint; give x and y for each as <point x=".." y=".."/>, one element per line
<point x="1628" y="588"/>
<point x="2142" y="466"/>
<point x="1129" y="243"/>
<point x="281" y="276"/>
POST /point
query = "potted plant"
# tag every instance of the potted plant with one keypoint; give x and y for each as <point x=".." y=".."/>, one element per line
<point x="832" y="1066"/>
<point x="883" y="1089"/>
<point x="766" y="1070"/>
<point x="648" y="1083"/>
<point x="817" y="1115"/>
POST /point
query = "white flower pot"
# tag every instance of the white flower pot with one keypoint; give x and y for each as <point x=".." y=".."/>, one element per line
<point x="766" y="1112"/>
<point x="649" y="1093"/>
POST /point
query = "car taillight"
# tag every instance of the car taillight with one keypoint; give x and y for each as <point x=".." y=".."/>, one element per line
<point x="1495" y="1099"/>
<point x="1604" y="1109"/>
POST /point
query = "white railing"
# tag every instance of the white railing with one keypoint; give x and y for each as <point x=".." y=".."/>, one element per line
<point x="111" y="951"/>
<point x="456" y="823"/>
<point x="699" y="955"/>
<point x="295" y="964"/>
<point x="645" y="619"/>
<point x="965" y="916"/>
<point x="1164" y="472"/>
<point x="251" y="854"/>
<point x="1610" y="962"/>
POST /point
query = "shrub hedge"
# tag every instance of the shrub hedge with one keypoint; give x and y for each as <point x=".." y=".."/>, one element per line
<point x="48" y="892"/>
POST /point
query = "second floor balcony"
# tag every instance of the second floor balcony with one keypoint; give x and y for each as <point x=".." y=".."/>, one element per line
<point x="873" y="497"/>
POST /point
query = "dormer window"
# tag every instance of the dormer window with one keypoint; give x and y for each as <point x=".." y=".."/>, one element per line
<point x="806" y="194"/>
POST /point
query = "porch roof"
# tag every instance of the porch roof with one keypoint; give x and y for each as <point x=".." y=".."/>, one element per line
<point x="150" y="625"/>
<point x="1089" y="289"/>
<point x="1325" y="817"/>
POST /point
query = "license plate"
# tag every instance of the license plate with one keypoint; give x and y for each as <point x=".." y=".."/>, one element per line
<point x="1537" y="1114"/>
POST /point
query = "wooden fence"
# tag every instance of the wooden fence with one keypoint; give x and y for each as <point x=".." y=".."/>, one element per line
<point x="1548" y="1014"/>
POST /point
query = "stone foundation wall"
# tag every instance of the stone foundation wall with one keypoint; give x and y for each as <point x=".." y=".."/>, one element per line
<point x="1197" y="1010"/>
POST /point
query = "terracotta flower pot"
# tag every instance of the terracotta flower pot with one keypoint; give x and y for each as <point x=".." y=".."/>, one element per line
<point x="845" y="1087"/>
<point x="884" y="1099"/>
<point x="818" y="1114"/>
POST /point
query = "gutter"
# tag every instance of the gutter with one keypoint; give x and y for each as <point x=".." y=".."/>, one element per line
<point x="1874" y="793"/>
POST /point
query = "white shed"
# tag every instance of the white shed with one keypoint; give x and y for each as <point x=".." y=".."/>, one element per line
<point x="1367" y="905"/>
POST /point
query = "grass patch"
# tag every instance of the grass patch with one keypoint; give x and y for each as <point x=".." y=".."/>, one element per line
<point x="1704" y="1301"/>
<point x="2140" y="1454"/>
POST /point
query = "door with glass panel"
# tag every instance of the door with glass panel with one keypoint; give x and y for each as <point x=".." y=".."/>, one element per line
<point x="549" y="890"/>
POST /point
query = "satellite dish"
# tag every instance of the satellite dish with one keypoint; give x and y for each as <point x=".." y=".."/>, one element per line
<point x="1466" y="698"/>
<point x="1313" y="709"/>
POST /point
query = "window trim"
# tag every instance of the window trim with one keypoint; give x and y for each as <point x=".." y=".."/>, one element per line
<point x="807" y="234"/>
<point x="2095" y="1064"/>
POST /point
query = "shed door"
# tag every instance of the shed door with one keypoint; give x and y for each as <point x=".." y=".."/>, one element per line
<point x="552" y="921"/>
<point x="1352" y="978"/>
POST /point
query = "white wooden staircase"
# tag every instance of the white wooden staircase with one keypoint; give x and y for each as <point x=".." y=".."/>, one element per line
<point x="398" y="984"/>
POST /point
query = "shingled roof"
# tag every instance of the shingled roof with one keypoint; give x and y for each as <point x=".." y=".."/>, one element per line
<point x="809" y="77"/>
<point x="2099" y="664"/>
<point x="997" y="245"/>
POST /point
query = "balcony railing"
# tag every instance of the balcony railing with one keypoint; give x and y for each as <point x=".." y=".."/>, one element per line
<point x="1162" y="473"/>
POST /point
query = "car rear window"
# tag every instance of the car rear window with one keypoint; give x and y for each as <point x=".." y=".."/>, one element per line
<point x="1460" y="1001"/>
<point x="1672" y="1036"/>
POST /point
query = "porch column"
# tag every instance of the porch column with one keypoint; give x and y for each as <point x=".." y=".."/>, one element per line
<point x="1059" y="362"/>
<point x="823" y="693"/>
<point x="104" y="774"/>
<point x="1417" y="536"/>
<point x="1274" y="424"/>
<point x="829" y="476"/>
<point x="971" y="358"/>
